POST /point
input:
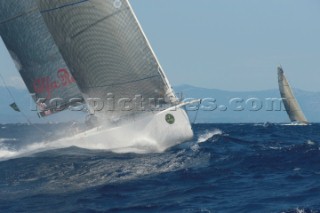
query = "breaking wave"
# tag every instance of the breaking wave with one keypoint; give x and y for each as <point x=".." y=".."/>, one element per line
<point x="209" y="134"/>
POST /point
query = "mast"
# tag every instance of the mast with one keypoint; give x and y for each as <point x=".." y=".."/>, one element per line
<point x="291" y="104"/>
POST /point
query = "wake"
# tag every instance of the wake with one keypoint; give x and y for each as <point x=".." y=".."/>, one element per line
<point x="139" y="147"/>
<point x="128" y="142"/>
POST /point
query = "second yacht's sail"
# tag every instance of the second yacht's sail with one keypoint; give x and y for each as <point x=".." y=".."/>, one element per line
<point x="291" y="104"/>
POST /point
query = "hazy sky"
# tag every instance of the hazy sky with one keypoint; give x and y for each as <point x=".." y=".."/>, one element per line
<point x="229" y="44"/>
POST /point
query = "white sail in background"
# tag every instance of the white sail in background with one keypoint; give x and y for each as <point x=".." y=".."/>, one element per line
<point x="292" y="106"/>
<point x="107" y="52"/>
<point x="36" y="55"/>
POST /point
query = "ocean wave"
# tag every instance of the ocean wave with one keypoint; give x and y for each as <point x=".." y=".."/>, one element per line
<point x="204" y="137"/>
<point x="226" y="168"/>
<point x="73" y="169"/>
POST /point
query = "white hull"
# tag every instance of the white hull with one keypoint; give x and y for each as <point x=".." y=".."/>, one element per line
<point x="148" y="134"/>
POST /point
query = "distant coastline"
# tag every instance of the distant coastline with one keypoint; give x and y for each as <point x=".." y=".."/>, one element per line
<point x="221" y="107"/>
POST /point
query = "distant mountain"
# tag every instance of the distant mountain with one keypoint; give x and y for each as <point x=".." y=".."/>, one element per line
<point x="244" y="107"/>
<point x="229" y="107"/>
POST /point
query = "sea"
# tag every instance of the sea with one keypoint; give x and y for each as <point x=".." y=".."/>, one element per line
<point x="225" y="168"/>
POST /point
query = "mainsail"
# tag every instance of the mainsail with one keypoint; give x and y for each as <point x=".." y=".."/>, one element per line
<point x="106" y="52"/>
<point x="292" y="106"/>
<point x="36" y="56"/>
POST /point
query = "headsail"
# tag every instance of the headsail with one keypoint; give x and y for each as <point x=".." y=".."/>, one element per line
<point x="36" y="56"/>
<point x="292" y="106"/>
<point x="106" y="51"/>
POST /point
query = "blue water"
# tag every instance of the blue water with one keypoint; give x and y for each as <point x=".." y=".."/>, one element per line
<point x="226" y="168"/>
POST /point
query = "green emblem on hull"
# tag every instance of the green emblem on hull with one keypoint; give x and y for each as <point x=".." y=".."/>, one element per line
<point x="170" y="119"/>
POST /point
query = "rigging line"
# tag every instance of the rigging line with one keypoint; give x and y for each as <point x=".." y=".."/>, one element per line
<point x="12" y="97"/>
<point x="196" y="115"/>
<point x="6" y="86"/>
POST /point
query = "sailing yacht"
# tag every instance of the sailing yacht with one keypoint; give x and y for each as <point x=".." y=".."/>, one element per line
<point x="94" y="52"/>
<point x="291" y="104"/>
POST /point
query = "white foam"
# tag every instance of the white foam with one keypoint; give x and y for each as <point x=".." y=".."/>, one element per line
<point x="275" y="148"/>
<point x="300" y="210"/>
<point x="209" y="134"/>
<point x="7" y="139"/>
<point x="139" y="145"/>
<point x="5" y="154"/>
<point x="310" y="142"/>
<point x="195" y="148"/>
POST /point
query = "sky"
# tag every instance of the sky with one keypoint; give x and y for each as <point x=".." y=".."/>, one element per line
<point x="227" y="44"/>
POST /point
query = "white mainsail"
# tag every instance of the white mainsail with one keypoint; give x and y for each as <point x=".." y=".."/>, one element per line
<point x="291" y="104"/>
